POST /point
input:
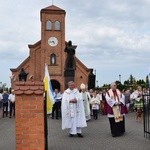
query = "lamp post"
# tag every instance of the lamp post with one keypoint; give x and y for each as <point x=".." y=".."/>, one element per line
<point x="120" y="78"/>
<point x="97" y="83"/>
<point x="1" y="85"/>
<point x="95" y="78"/>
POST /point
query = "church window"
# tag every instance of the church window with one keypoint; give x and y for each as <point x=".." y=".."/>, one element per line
<point x="48" y="25"/>
<point x="57" y="25"/>
<point x="53" y="59"/>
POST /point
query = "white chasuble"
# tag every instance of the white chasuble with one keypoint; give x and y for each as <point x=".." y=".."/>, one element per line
<point x="72" y="111"/>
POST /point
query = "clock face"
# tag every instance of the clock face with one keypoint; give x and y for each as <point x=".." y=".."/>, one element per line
<point x="52" y="41"/>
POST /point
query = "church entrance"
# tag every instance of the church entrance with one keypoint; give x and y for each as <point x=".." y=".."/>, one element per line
<point x="55" y="84"/>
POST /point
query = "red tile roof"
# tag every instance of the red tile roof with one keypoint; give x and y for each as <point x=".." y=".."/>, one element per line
<point x="29" y="88"/>
<point x="53" y="8"/>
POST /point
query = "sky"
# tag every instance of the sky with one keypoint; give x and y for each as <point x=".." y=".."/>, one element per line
<point x="112" y="36"/>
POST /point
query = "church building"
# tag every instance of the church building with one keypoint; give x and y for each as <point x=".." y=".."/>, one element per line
<point x="52" y="49"/>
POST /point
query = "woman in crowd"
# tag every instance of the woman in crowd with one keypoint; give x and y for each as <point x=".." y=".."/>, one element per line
<point x="136" y="96"/>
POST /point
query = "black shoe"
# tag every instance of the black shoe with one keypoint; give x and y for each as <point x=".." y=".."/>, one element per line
<point x="52" y="117"/>
<point x="70" y="135"/>
<point x="80" y="135"/>
<point x="9" y="116"/>
<point x="113" y="135"/>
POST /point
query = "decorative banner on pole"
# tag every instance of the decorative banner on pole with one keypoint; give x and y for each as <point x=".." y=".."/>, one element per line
<point x="48" y="89"/>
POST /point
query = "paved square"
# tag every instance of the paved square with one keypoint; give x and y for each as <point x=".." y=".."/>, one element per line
<point x="96" y="136"/>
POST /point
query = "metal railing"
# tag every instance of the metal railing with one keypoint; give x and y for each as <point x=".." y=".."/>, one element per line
<point x="146" y="115"/>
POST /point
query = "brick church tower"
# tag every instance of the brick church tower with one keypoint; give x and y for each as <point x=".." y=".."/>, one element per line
<point x="50" y="50"/>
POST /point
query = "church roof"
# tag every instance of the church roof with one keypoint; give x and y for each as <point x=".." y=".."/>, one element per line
<point x="20" y="66"/>
<point x="81" y="64"/>
<point x="53" y="8"/>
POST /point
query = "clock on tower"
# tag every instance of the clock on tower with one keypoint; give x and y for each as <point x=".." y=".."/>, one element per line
<point x="53" y="41"/>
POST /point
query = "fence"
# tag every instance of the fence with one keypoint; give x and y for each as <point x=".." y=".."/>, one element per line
<point x="146" y="114"/>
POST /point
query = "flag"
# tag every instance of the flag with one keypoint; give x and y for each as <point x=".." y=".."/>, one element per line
<point x="48" y="89"/>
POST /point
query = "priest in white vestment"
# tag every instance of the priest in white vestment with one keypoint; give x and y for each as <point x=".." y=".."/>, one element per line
<point x="73" y="115"/>
<point x="86" y="101"/>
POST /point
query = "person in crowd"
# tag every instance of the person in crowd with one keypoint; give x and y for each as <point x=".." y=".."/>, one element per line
<point x="95" y="102"/>
<point x="91" y="95"/>
<point x="136" y="96"/>
<point x="0" y="102"/>
<point x="73" y="115"/>
<point x="1" y="92"/>
<point x="5" y="100"/>
<point x="12" y="103"/>
<point x="116" y="110"/>
<point x="103" y="101"/>
<point x="127" y="98"/>
<point x="131" y="107"/>
<point x="57" y="105"/>
<point x="99" y="95"/>
<point x="86" y="101"/>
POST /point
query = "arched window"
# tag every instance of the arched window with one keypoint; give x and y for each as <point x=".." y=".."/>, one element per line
<point x="48" y="25"/>
<point x="57" y="25"/>
<point x="53" y="59"/>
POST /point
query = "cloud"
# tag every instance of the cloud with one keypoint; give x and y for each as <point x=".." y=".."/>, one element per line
<point x="113" y="37"/>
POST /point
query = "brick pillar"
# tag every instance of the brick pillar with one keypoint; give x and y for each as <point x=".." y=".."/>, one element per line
<point x="29" y="115"/>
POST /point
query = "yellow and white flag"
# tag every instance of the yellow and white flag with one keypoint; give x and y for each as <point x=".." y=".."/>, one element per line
<point x="48" y="89"/>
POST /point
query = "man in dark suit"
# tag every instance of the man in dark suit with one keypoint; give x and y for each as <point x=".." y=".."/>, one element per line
<point x="5" y="100"/>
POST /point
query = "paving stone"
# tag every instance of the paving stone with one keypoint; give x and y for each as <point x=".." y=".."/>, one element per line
<point x="96" y="136"/>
